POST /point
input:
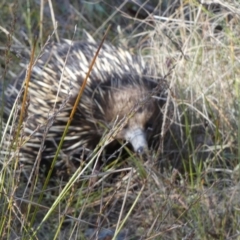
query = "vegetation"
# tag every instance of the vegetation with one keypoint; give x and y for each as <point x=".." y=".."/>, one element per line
<point x="187" y="188"/>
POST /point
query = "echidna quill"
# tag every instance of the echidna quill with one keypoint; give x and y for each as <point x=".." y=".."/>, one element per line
<point x="120" y="89"/>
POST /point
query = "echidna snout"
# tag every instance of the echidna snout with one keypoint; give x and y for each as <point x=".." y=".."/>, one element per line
<point x="137" y="138"/>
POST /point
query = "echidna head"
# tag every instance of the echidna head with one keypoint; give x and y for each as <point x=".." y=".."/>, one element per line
<point x="133" y="106"/>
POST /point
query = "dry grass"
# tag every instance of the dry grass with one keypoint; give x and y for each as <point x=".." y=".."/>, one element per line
<point x="188" y="188"/>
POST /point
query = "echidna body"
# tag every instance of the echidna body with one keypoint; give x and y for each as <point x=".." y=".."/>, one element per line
<point x="119" y="90"/>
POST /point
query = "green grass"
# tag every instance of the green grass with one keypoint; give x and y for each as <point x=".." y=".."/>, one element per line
<point x="187" y="187"/>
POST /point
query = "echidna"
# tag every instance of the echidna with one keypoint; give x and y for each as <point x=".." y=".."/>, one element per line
<point x="120" y="89"/>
